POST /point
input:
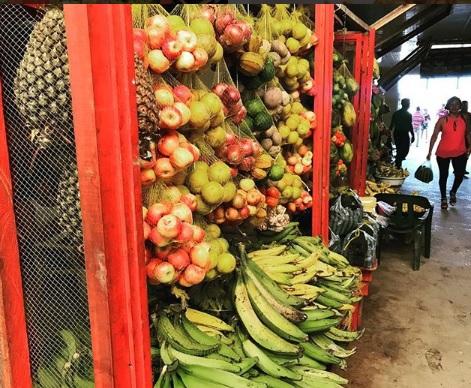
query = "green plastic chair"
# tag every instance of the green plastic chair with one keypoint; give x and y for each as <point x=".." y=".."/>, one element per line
<point x="406" y="221"/>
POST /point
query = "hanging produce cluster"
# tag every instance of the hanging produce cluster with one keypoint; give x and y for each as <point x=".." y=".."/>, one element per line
<point x="226" y="162"/>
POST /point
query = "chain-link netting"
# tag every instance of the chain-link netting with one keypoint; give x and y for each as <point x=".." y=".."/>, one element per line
<point x="36" y="102"/>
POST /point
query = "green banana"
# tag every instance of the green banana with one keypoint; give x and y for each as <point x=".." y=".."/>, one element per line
<point x="215" y="333"/>
<point x="276" y="260"/>
<point x="314" y="314"/>
<point x="317" y="353"/>
<point x="280" y="277"/>
<point x="343" y="335"/>
<point x="198" y="335"/>
<point x="246" y="364"/>
<point x="280" y="268"/>
<point x="273" y="287"/>
<point x="310" y="362"/>
<point x="317" y="382"/>
<point x="201" y="318"/>
<point x="171" y="362"/>
<point x="327" y="343"/>
<point x="332" y="294"/>
<point x="271" y="382"/>
<point x="176" y="381"/>
<point x="272" y="318"/>
<point x="259" y="332"/>
<point x="220" y="377"/>
<point x="187" y="359"/>
<point x="228" y="352"/>
<point x="217" y="356"/>
<point x="266" y="364"/>
<point x="191" y="381"/>
<point x="328" y="302"/>
<point x="304" y="371"/>
<point x="334" y="286"/>
<point x="169" y="332"/>
<point x="312" y="326"/>
<point x="237" y="345"/>
<point x="304" y="277"/>
<point x="275" y="251"/>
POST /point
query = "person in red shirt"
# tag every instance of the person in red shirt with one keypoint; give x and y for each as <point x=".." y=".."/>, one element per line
<point x="454" y="147"/>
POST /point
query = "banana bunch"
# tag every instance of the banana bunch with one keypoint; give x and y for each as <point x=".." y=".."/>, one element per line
<point x="289" y="232"/>
<point x="373" y="188"/>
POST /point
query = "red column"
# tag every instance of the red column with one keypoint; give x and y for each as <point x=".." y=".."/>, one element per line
<point x="14" y="365"/>
<point x="103" y="101"/>
<point x="323" y="73"/>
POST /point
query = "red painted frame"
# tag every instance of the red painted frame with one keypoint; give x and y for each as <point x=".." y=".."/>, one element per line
<point x="15" y="368"/>
<point x="363" y="73"/>
<point x="103" y="100"/>
<point x="323" y="73"/>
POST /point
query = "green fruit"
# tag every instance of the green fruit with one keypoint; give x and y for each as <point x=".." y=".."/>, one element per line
<point x="276" y="173"/>
<point x="286" y="26"/>
<point x="263" y="121"/>
<point x="200" y="165"/>
<point x="292" y="70"/>
<point x="230" y="190"/>
<point x="226" y="263"/>
<point x="289" y="179"/>
<point x="171" y="194"/>
<point x="216" y="137"/>
<point x="252" y="83"/>
<point x="248" y="122"/>
<point x="276" y="28"/>
<point x="224" y="244"/>
<point x="296" y="192"/>
<point x="284" y="131"/>
<point x="292" y="45"/>
<point x="255" y="107"/>
<point x="297" y="108"/>
<point x="212" y="193"/>
<point x="281" y="184"/>
<point x="215" y="247"/>
<point x="197" y="179"/>
<point x="183" y="189"/>
<point x="200" y="114"/>
<point x="268" y="71"/>
<point x="293" y="138"/>
<point x="299" y="31"/>
<point x="208" y="43"/>
<point x="297" y="182"/>
<point x="246" y="184"/>
<point x="287" y="192"/>
<point x="293" y="121"/>
<point x="303" y="128"/>
<point x="219" y="172"/>
<point x="213" y="103"/>
<point x="213" y="231"/>
<point x="201" y="206"/>
<point x="211" y="274"/>
<point x="202" y="26"/>
<point x="176" y="23"/>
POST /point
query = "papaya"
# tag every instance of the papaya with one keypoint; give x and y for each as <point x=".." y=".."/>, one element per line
<point x="349" y="115"/>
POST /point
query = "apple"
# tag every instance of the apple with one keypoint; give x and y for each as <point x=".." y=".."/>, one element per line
<point x="179" y="259"/>
<point x="232" y="214"/>
<point x="193" y="149"/>
<point x="156" y="37"/>
<point x="226" y="263"/>
<point x="147" y="229"/>
<point x="146" y="164"/>
<point x="244" y="212"/>
<point x="182" y="212"/>
<point x="188" y="39"/>
<point x="181" y="158"/>
<point x="168" y="144"/>
<point x="199" y="255"/>
<point x="182" y="93"/>
<point x="139" y="35"/>
<point x="234" y="154"/>
<point x="238" y="201"/>
<point x="184" y="111"/>
<point x="201" y="57"/>
<point x="182" y="282"/>
<point x="163" y="96"/>
<point x="156" y="212"/>
<point x="169" y="226"/>
<point x="140" y="48"/>
<point x="233" y="35"/>
<point x="190" y="201"/>
<point x="198" y="234"/>
<point x="193" y="275"/>
<point x="158" y="21"/>
<point x="186" y="233"/>
<point x="158" y="62"/>
<point x="147" y="255"/>
<point x="246" y="146"/>
<point x="164" y="169"/>
<point x="185" y="62"/>
<point x="144" y="212"/>
<point x="148" y="176"/>
<point x="172" y="49"/>
<point x="165" y="272"/>
<point x="156" y="238"/>
<point x="151" y="266"/>
<point x="170" y="118"/>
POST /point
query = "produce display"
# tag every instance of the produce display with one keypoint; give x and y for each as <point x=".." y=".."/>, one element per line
<point x="238" y="297"/>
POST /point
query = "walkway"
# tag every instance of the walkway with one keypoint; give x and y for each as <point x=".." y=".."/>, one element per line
<point x="418" y="324"/>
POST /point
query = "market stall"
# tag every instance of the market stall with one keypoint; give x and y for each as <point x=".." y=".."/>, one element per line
<point x="198" y="127"/>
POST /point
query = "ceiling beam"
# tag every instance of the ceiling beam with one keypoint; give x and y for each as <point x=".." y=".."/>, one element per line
<point x="391" y="16"/>
<point x="354" y="17"/>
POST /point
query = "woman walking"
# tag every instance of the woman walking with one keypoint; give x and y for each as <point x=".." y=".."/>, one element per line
<point x="454" y="147"/>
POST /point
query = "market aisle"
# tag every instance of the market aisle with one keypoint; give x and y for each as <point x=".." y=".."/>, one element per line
<point x="418" y="323"/>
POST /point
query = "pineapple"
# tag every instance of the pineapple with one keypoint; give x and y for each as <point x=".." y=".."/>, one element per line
<point x="147" y="115"/>
<point x="68" y="204"/>
<point x="42" y="87"/>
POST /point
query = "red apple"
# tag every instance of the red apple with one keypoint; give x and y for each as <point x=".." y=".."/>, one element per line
<point x="222" y="21"/>
<point x="181" y="158"/>
<point x="253" y="197"/>
<point x="147" y="229"/>
<point x="159" y="21"/>
<point x="182" y="93"/>
<point x="164" y="169"/>
<point x="193" y="275"/>
<point x="244" y="212"/>
<point x="219" y="88"/>
<point x="231" y="95"/>
<point x="185" y="62"/>
<point x="188" y="39"/>
<point x="170" y="118"/>
<point x="190" y="201"/>
<point x="172" y="48"/>
<point x="169" y="226"/>
<point x="168" y="144"/>
<point x="148" y="177"/>
<point x="145" y="164"/>
<point x="147" y="255"/>
<point x="156" y="212"/>
<point x="201" y="57"/>
<point x="184" y="111"/>
<point x="156" y="238"/>
<point x="256" y="148"/>
<point x="182" y="212"/>
<point x="186" y="233"/>
<point x="179" y="259"/>
<point x="193" y="149"/>
<point x="234" y="154"/>
<point x="144" y="212"/>
<point x="233" y="35"/>
<point x="139" y="35"/>
<point x="151" y="266"/>
<point x="182" y="282"/>
<point x="247" y="164"/>
<point x="156" y="37"/>
<point x="165" y="273"/>
<point x="199" y="255"/>
<point x="140" y="48"/>
<point x="198" y="234"/>
<point x="158" y="62"/>
<point x="246" y="146"/>
<point x="187" y="246"/>
<point x="163" y="252"/>
<point x="238" y="201"/>
<point x="163" y="95"/>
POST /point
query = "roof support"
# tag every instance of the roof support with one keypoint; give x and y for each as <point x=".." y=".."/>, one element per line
<point x="380" y="23"/>
<point x="354" y="17"/>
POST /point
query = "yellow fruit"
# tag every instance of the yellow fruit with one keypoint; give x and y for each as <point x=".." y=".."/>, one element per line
<point x="213" y="231"/>
<point x="218" y="54"/>
<point x="216" y="137"/>
<point x="287" y="192"/>
<point x="289" y="179"/>
<point x="202" y="26"/>
<point x="293" y="137"/>
<point x="298" y="142"/>
<point x="226" y="263"/>
<point x="276" y="28"/>
<point x="213" y="103"/>
<point x="217" y="120"/>
<point x="200" y="114"/>
<point x="284" y="131"/>
<point x="230" y="190"/>
<point x="251" y="63"/>
<point x="292" y="45"/>
<point x="291" y="81"/>
<point x="297" y="107"/>
<point x="296" y="192"/>
<point x="299" y="31"/>
<point x="219" y="172"/>
<point x="293" y="122"/>
<point x="212" y="193"/>
<point x="292" y="70"/>
<point x="201" y="206"/>
<point x="211" y="274"/>
<point x="286" y="26"/>
<point x="208" y="43"/>
<point x="201" y="165"/>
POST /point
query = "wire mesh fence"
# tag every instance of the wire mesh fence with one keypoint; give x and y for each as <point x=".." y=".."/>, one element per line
<point x="37" y="107"/>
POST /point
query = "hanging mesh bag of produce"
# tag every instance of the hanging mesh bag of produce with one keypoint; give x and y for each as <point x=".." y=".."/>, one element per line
<point x="359" y="246"/>
<point x="424" y="173"/>
<point x="346" y="213"/>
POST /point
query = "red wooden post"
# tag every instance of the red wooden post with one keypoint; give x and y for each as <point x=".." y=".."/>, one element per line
<point x="103" y="101"/>
<point x="323" y="73"/>
<point x="14" y="364"/>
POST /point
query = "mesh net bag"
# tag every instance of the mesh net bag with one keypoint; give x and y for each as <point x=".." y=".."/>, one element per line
<point x="141" y="12"/>
<point x="263" y="23"/>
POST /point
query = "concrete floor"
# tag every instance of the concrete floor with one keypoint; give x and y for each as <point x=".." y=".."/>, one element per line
<point x="418" y="324"/>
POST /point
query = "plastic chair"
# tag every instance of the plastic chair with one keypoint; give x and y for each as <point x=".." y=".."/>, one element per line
<point x="405" y="220"/>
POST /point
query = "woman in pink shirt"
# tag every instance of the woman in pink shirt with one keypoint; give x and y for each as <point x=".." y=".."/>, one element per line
<point x="454" y="147"/>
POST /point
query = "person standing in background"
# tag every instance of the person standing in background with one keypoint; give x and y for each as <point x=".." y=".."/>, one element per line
<point x="426" y="123"/>
<point x="401" y="127"/>
<point x="454" y="147"/>
<point x="417" y="122"/>
<point x="467" y="116"/>
<point x="442" y="112"/>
